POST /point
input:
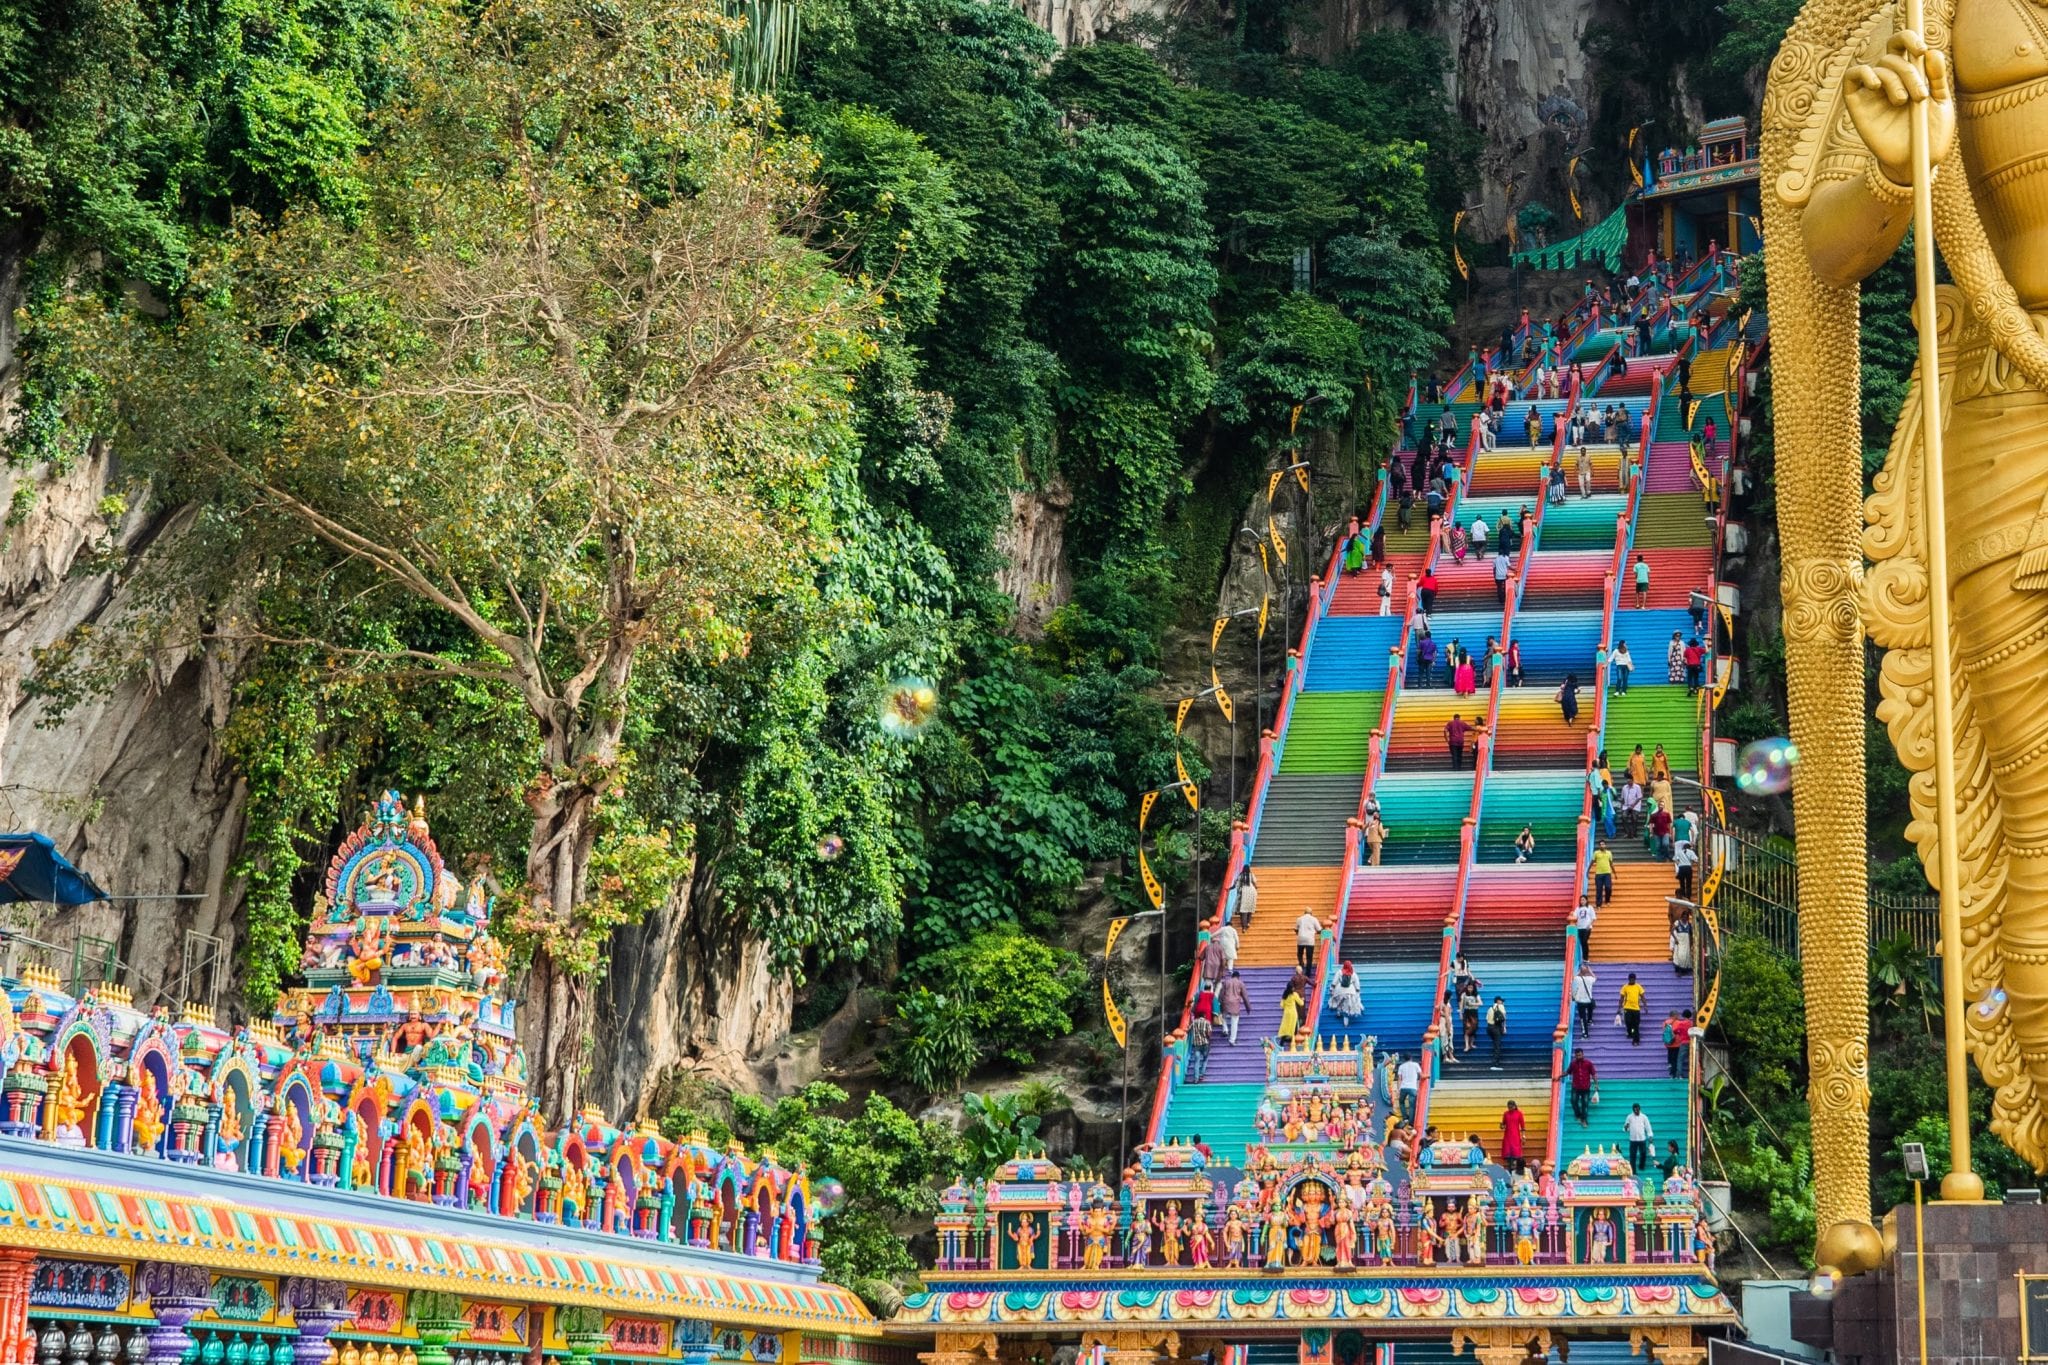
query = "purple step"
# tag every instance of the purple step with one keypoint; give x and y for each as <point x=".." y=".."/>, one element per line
<point x="1608" y="1044"/>
<point x="1246" y="1062"/>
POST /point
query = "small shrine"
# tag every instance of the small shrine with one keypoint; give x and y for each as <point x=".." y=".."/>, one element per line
<point x="1599" y="1196"/>
<point x="1170" y="1192"/>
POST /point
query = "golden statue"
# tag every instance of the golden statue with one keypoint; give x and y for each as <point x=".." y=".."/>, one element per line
<point x="149" y="1112"/>
<point x="71" y="1103"/>
<point x="1849" y="87"/>
<point x="291" y="1139"/>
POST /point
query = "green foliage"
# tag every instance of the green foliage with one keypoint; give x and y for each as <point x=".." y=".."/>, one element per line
<point x="996" y="1129"/>
<point x="1762" y="1020"/>
<point x="1014" y="991"/>
<point x="935" y="1045"/>
<point x="1303" y="351"/>
<point x="887" y="1160"/>
<point x="1776" y="1181"/>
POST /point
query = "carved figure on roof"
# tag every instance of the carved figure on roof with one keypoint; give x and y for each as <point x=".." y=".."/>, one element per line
<point x="366" y="949"/>
<point x="1024" y="1235"/>
<point x="291" y="1148"/>
<point x="1477" y="1223"/>
<point x="1098" y="1226"/>
<point x="71" y="1101"/>
<point x="1172" y="1231"/>
<point x="409" y="1037"/>
<point x="1600" y="1238"/>
<point x="416" y="1163"/>
<point x="575" y="1190"/>
<point x="149" y="1111"/>
<point x="1234" y="1235"/>
<point x="1279" y="1222"/>
<point x="1201" y="1243"/>
<point x="1344" y="1234"/>
<point x="1383" y="1233"/>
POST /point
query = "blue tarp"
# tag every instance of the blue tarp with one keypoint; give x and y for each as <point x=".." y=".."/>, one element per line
<point x="31" y="869"/>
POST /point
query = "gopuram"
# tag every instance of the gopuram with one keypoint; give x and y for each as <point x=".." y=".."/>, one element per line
<point x="366" y="1181"/>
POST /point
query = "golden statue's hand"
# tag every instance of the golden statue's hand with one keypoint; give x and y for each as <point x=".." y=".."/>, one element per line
<point x="1881" y="100"/>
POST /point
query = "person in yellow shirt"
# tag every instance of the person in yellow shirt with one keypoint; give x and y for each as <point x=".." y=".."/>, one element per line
<point x="1603" y="875"/>
<point x="1632" y="1009"/>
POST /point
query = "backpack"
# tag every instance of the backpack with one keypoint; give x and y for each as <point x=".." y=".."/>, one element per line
<point x="1669" y="1036"/>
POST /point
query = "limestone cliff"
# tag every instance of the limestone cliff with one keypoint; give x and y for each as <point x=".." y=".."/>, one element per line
<point x="1520" y="72"/>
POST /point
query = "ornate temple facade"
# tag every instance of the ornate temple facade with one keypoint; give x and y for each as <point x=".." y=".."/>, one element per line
<point x="367" y="1178"/>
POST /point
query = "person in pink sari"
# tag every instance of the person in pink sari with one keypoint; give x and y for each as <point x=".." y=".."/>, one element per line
<point x="1464" y="681"/>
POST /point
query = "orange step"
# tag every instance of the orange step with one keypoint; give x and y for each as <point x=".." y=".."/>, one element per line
<point x="1283" y="891"/>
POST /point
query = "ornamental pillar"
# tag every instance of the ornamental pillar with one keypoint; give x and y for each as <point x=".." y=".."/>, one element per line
<point x="177" y="1294"/>
<point x="319" y="1308"/>
<point x="17" y="1273"/>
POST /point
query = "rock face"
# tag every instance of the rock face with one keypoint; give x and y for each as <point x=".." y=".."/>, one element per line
<point x="1519" y="71"/>
<point x="131" y="786"/>
<point x="1034" y="573"/>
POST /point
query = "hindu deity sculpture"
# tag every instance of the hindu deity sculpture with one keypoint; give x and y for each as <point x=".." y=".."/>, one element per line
<point x="1839" y="168"/>
<point x="1278" y="1223"/>
<point x="1138" y="1243"/>
<point x="1524" y="1224"/>
<point x="1476" y="1226"/>
<point x="229" y="1132"/>
<point x="1024" y="1236"/>
<point x="1383" y="1233"/>
<point x="1344" y="1234"/>
<point x="71" y="1103"/>
<point x="1600" y="1238"/>
<point x="1170" y="1226"/>
<point x="1703" y="1243"/>
<point x="1451" y="1224"/>
<point x="1427" y="1238"/>
<point x="1201" y="1243"/>
<point x="1234" y="1237"/>
<point x="1098" y="1226"/>
<point x="291" y="1139"/>
<point x="149" y="1111"/>
<point x="1311" y="1216"/>
<point x="366" y="950"/>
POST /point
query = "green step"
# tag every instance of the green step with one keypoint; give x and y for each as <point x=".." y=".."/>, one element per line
<point x="1668" y="521"/>
<point x="1662" y="1099"/>
<point x="1225" y="1115"/>
<point x="1659" y="713"/>
<point x="1329" y="732"/>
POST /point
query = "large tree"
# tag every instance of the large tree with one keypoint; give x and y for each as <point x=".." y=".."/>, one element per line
<point x="569" y="375"/>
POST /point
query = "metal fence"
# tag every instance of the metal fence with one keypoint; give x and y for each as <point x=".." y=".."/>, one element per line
<point x="1759" y="898"/>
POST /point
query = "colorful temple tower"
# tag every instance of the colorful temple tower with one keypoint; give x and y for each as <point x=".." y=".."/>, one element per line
<point x="368" y="1177"/>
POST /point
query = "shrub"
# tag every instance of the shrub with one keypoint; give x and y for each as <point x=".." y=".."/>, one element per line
<point x="1014" y="991"/>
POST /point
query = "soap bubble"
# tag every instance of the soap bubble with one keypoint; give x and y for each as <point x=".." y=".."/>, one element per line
<point x="1990" y="1005"/>
<point x="830" y="847"/>
<point x="827" y="1195"/>
<point x="908" y="706"/>
<point x="1826" y="1282"/>
<point x="1766" y="766"/>
<point x="1282" y="1093"/>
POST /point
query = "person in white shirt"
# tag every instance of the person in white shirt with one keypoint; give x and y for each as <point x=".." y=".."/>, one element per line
<point x="1582" y="920"/>
<point x="1478" y="534"/>
<point x="1640" y="1135"/>
<point x="1247" y="899"/>
<point x="1408" y="1078"/>
<point x="1305" y="930"/>
<point x="1386" y="590"/>
<point x="1582" y="997"/>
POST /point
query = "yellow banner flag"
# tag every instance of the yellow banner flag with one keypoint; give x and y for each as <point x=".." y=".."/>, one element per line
<point x="1712" y="882"/>
<point x="1571" y="172"/>
<point x="1457" y="256"/>
<point x="1273" y="484"/>
<point x="1301" y="469"/>
<point x="1635" y="172"/>
<point x="1265" y="610"/>
<point x="1720" y="806"/>
<point x="1145" y="805"/>
<point x="1180" y="713"/>
<point x="1293" y="419"/>
<point x="1116" y="930"/>
<point x="1187" y="784"/>
<point x="1279" y="541"/>
<point x="1154" y="892"/>
<point x="1264" y="562"/>
<point x="1118" y="1029"/>
<point x="1223" y="702"/>
<point x="1216" y="633"/>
